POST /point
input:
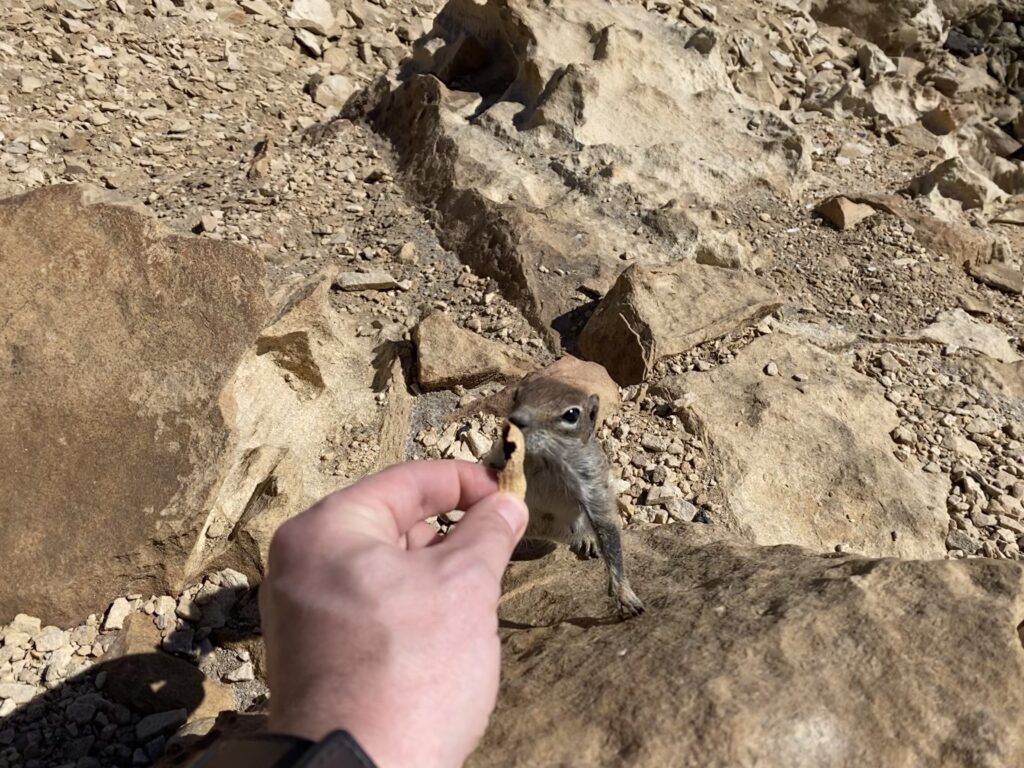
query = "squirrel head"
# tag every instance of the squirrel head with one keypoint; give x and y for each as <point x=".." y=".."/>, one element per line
<point x="551" y="414"/>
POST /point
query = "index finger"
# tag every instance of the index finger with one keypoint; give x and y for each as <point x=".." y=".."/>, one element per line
<point x="387" y="504"/>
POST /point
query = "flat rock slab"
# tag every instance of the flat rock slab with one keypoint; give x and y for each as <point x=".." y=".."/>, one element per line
<point x="759" y="656"/>
<point x="958" y="329"/>
<point x="368" y="281"/>
<point x="447" y="356"/>
<point x="116" y="340"/>
<point x="1002" y="277"/>
<point x="810" y="462"/>
<point x="843" y="213"/>
<point x="654" y="312"/>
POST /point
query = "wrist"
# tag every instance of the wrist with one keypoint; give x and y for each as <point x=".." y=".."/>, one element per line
<point x="275" y="750"/>
<point x="314" y="727"/>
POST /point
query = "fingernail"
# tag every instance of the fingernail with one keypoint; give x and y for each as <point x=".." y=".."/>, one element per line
<point x="514" y="511"/>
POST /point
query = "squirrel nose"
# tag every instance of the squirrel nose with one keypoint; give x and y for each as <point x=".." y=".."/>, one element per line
<point x="520" y="419"/>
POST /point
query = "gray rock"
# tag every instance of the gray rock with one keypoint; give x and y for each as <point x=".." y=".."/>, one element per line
<point x="241" y="674"/>
<point x="80" y="712"/>
<point x="368" y="281"/>
<point x="50" y="639"/>
<point x="874" y="63"/>
<point x="1002" y="277"/>
<point x="179" y="641"/>
<point x="59" y="663"/>
<point x="23" y="623"/>
<point x="333" y="91"/>
<point x="116" y="614"/>
<point x="904" y="435"/>
<point x="957" y="539"/>
<point x="187" y="609"/>
<point x="314" y="15"/>
<point x="654" y="443"/>
<point x="682" y="510"/>
<point x="161" y="722"/>
<point x="165" y="605"/>
<point x="83" y="635"/>
<point x="19" y="693"/>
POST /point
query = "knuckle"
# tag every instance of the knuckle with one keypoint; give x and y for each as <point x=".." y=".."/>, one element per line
<point x="469" y="567"/>
<point x="287" y="546"/>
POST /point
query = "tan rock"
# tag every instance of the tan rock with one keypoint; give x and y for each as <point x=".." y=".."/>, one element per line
<point x="899" y="26"/>
<point x="758" y="86"/>
<point x="956" y="180"/>
<point x="873" y="63"/>
<point x="258" y="8"/>
<point x="1000" y="276"/>
<point x="333" y="91"/>
<point x="956" y="328"/>
<point x="890" y="102"/>
<point x="313" y="15"/>
<point x="767" y="656"/>
<point x="116" y="399"/>
<point x="843" y="213"/>
<point x="810" y="462"/>
<point x="557" y="87"/>
<point x="338" y="61"/>
<point x="919" y="137"/>
<point x="960" y="245"/>
<point x="1002" y="379"/>
<point x="142" y="676"/>
<point x="368" y="281"/>
<point x="654" y="312"/>
<point x="308" y="378"/>
<point x="447" y="355"/>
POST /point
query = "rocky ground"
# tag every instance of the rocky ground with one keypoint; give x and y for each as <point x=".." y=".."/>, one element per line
<point x="320" y="237"/>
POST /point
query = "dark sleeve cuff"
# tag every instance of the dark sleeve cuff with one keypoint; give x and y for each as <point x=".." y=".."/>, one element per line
<point x="270" y="750"/>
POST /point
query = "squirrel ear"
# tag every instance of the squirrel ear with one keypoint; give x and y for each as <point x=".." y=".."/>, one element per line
<point x="593" y="402"/>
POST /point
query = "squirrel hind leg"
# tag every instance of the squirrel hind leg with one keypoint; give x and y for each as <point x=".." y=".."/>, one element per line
<point x="583" y="539"/>
<point x="610" y="541"/>
<point x="629" y="605"/>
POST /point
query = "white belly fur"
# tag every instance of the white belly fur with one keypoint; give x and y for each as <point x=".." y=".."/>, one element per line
<point x="553" y="509"/>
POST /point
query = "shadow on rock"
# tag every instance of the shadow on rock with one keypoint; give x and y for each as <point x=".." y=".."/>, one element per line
<point x="129" y="707"/>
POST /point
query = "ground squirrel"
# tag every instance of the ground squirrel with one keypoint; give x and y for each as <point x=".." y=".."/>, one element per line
<point x="567" y="478"/>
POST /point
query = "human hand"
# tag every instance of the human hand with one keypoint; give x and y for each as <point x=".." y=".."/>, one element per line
<point x="376" y="625"/>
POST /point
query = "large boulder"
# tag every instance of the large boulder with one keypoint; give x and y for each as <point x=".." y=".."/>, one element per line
<point x="897" y="26"/>
<point x="955" y="328"/>
<point x="955" y="179"/>
<point x="499" y="88"/>
<point x="802" y="447"/>
<point x="654" y="312"/>
<point x="759" y="656"/>
<point x="117" y="340"/>
<point x="314" y="405"/>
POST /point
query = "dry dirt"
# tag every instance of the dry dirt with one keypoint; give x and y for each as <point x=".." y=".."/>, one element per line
<point x="515" y="169"/>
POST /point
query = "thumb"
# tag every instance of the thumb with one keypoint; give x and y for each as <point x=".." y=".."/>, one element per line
<point x="492" y="528"/>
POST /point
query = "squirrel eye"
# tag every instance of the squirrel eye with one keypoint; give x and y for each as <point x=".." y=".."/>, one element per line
<point x="571" y="416"/>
